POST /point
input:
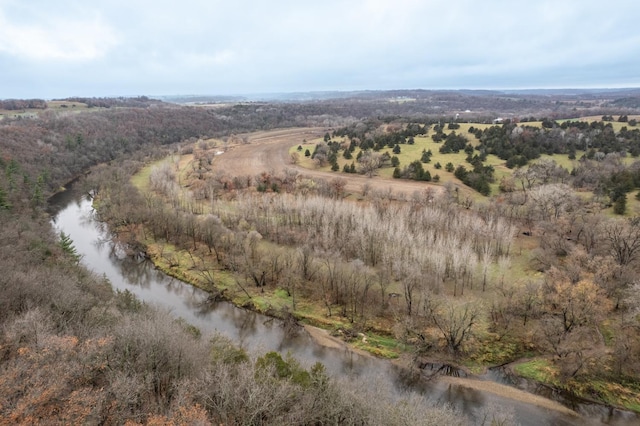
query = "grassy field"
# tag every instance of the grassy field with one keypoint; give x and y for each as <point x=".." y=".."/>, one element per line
<point x="141" y="179"/>
<point x="410" y="153"/>
<point x="626" y="395"/>
<point x="19" y="113"/>
<point x="617" y="126"/>
<point x="51" y="106"/>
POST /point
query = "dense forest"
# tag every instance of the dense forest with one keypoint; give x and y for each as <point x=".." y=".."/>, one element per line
<point x="428" y="270"/>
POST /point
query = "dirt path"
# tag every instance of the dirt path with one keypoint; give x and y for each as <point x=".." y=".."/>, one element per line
<point x="268" y="151"/>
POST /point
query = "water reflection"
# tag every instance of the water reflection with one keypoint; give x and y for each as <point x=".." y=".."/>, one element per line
<point x="256" y="332"/>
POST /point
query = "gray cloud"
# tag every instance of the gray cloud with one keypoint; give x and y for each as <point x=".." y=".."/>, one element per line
<point x="72" y="47"/>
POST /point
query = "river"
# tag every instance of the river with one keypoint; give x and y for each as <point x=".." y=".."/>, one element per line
<point x="257" y="333"/>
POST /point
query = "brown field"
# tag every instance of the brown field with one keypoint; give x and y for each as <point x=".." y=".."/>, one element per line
<point x="269" y="152"/>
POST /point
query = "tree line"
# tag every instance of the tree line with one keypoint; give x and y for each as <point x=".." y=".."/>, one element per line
<point x="20" y="104"/>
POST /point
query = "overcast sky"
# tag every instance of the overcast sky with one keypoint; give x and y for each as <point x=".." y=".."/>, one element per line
<point x="64" y="48"/>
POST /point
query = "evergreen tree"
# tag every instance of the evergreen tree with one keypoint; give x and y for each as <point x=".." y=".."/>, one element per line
<point x="67" y="246"/>
<point x="4" y="203"/>
<point x="620" y="205"/>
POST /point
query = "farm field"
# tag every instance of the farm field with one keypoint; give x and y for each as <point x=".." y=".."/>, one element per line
<point x="59" y="106"/>
<point x="268" y="152"/>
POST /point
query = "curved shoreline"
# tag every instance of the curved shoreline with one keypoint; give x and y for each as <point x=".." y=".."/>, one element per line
<point x="322" y="337"/>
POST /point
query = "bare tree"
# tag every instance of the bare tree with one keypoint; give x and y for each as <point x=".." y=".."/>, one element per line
<point x="455" y="322"/>
<point x="307" y="263"/>
<point x="295" y="158"/>
<point x="411" y="285"/>
<point x="623" y="238"/>
<point x="369" y="163"/>
<point x="575" y="305"/>
<point x="486" y="257"/>
<point x="212" y="233"/>
<point x="504" y="263"/>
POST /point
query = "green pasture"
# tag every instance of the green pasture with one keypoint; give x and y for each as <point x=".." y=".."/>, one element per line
<point x="141" y="179"/>
<point x="411" y="153"/>
<point x="617" y="126"/>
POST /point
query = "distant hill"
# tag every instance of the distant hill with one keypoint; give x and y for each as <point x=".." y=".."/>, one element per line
<point x="402" y="94"/>
<point x="627" y="102"/>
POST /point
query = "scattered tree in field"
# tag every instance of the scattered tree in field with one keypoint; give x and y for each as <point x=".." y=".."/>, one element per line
<point x="413" y="171"/>
<point x="426" y="156"/>
<point x="369" y="163"/>
<point x="620" y="204"/>
<point x="295" y="158"/>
